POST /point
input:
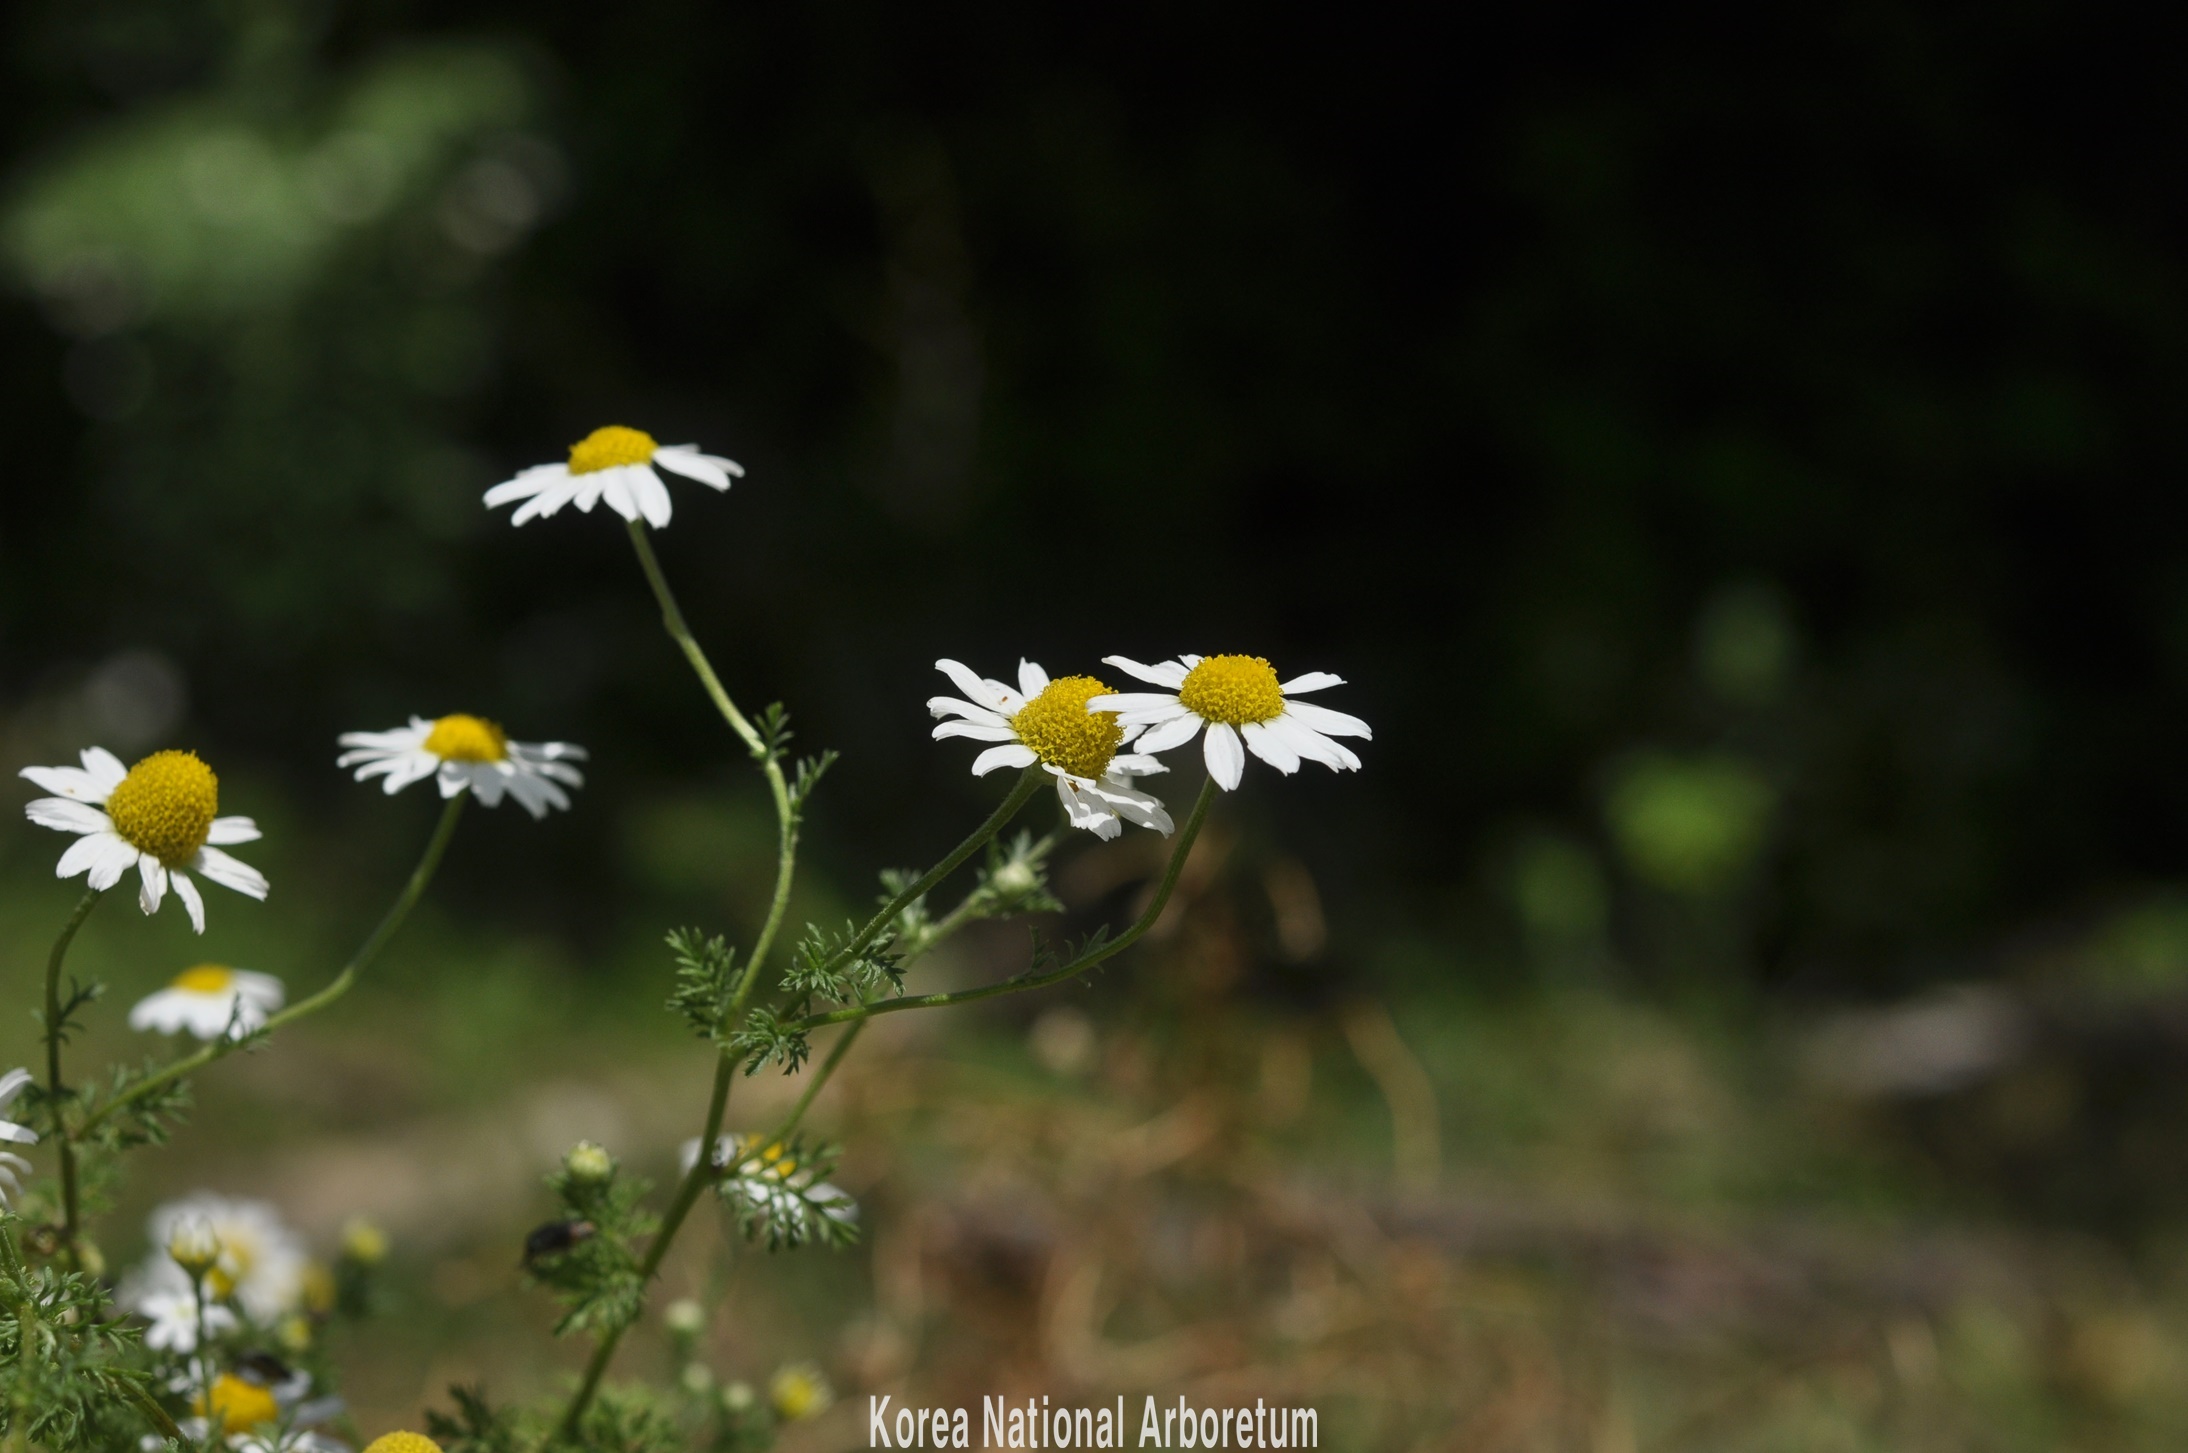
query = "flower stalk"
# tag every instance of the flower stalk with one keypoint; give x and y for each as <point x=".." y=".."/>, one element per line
<point x="56" y="1031"/>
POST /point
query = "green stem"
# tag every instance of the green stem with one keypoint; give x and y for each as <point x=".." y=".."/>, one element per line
<point x="155" y="1414"/>
<point x="413" y="890"/>
<point x="1029" y="783"/>
<point x="55" y="1090"/>
<point x="1078" y="964"/>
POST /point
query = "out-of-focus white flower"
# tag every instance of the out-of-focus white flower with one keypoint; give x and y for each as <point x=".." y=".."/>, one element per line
<point x="614" y="464"/>
<point x="11" y="1165"/>
<point x="262" y="1264"/>
<point x="466" y="751"/>
<point x="1048" y="722"/>
<point x="160" y="1292"/>
<point x="1234" y="697"/>
<point x="209" y="1000"/>
<point x="158" y="817"/>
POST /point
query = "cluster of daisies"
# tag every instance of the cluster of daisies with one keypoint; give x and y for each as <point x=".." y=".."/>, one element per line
<point x="226" y="1283"/>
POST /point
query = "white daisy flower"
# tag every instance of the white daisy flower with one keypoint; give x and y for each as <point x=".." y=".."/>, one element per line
<point x="13" y="1166"/>
<point x="1234" y="697"/>
<point x="467" y="751"/>
<point x="159" y="1291"/>
<point x="613" y="464"/>
<point x="158" y="817"/>
<point x="1048" y="722"/>
<point x="772" y="1185"/>
<point x="262" y="1266"/>
<point x="209" y="1000"/>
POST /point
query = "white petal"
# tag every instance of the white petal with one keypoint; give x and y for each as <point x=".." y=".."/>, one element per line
<point x="63" y="815"/>
<point x="1175" y="732"/>
<point x="1134" y="765"/>
<point x="228" y="831"/>
<point x="1313" y="746"/>
<point x="1010" y="754"/>
<point x="187" y="891"/>
<point x="485" y="784"/>
<point x="11" y="1085"/>
<point x="1162" y="673"/>
<point x="1226" y="757"/>
<point x="1330" y="723"/>
<point x="81" y="854"/>
<point x="1270" y="748"/>
<point x="229" y="873"/>
<point x="116" y="857"/>
<point x="527" y="483"/>
<point x="73" y="783"/>
<point x="709" y="469"/>
<point x="263" y="990"/>
<point x="993" y="695"/>
<point x="1312" y="681"/>
<point x="979" y="731"/>
<point x="1032" y="680"/>
<point x="152" y="873"/>
<point x="652" y="496"/>
<point x="103" y="765"/>
<point x="951" y="706"/>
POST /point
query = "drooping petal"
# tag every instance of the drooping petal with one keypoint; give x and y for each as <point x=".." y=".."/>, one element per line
<point x="1226" y="755"/>
<point x="116" y="857"/>
<point x="652" y="496"/>
<point x="1162" y="673"/>
<point x="1313" y="746"/>
<point x="81" y="854"/>
<point x="11" y="1085"/>
<point x="229" y="872"/>
<point x="194" y="905"/>
<point x="527" y="484"/>
<point x="152" y="873"/>
<point x="1270" y="747"/>
<point x="1010" y="754"/>
<point x="708" y="469"/>
<point x="1132" y="764"/>
<point x="1134" y="805"/>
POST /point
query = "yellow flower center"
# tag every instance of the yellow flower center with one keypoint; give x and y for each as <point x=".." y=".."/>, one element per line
<point x="1236" y="690"/>
<point x="1063" y="733"/>
<point x="238" y="1406"/>
<point x="402" y="1443"/>
<point x="609" y="447"/>
<point x="165" y="806"/>
<point x="205" y="979"/>
<point x="775" y="1158"/>
<point x="467" y="739"/>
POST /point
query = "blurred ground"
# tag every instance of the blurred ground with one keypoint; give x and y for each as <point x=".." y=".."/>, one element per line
<point x="1563" y="1220"/>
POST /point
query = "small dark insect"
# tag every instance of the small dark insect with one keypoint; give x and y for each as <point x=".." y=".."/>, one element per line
<point x="556" y="1237"/>
<point x="263" y="1368"/>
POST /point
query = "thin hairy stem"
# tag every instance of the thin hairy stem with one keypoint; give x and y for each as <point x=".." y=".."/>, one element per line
<point x="422" y="875"/>
<point x="1077" y="964"/>
<point x="55" y="1089"/>
<point x="1028" y="784"/>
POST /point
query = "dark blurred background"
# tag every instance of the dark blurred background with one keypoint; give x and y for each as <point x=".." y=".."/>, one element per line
<point x="1734" y="464"/>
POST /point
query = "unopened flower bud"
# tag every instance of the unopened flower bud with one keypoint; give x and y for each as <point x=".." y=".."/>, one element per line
<point x="363" y="1242"/>
<point x="588" y="1162"/>
<point x="194" y="1247"/>
<point x="696" y="1378"/>
<point x="737" y="1397"/>
<point x="1015" y="879"/>
<point x="685" y="1317"/>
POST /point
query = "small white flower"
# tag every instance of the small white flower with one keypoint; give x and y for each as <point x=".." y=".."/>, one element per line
<point x="772" y="1184"/>
<point x="1234" y="697"/>
<point x="613" y="464"/>
<point x="209" y="1001"/>
<point x="157" y="817"/>
<point x="12" y="1166"/>
<point x="262" y="1263"/>
<point x="466" y="751"/>
<point x="159" y="1291"/>
<point x="1048" y="722"/>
